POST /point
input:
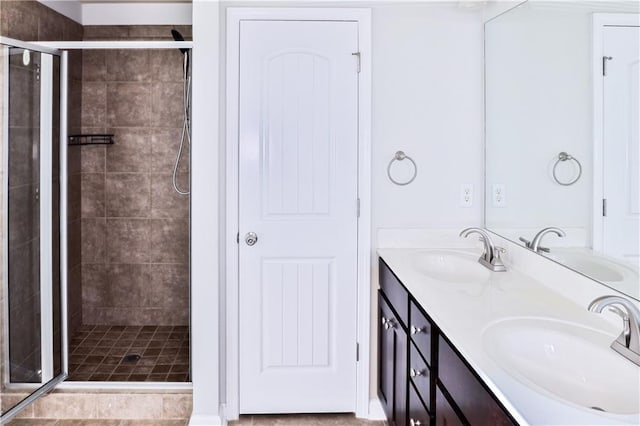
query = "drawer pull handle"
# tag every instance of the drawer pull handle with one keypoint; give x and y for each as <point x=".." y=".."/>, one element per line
<point x="413" y="422"/>
<point x="388" y="323"/>
<point x="416" y="330"/>
<point x="415" y="373"/>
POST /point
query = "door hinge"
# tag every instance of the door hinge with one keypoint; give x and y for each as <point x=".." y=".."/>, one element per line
<point x="358" y="57"/>
<point x="358" y="207"/>
<point x="604" y="207"/>
<point x="357" y="351"/>
<point x="604" y="64"/>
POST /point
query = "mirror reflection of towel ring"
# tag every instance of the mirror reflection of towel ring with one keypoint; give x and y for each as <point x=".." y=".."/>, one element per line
<point x="562" y="157"/>
<point x="401" y="156"/>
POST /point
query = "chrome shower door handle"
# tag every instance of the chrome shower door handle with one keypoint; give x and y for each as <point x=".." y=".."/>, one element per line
<point x="251" y="238"/>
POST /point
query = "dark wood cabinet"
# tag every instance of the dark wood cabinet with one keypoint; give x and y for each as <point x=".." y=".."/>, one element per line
<point x="392" y="363"/>
<point x="422" y="379"/>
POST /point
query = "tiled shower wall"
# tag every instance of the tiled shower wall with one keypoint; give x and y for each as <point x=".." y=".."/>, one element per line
<point x="135" y="227"/>
<point x="31" y="21"/>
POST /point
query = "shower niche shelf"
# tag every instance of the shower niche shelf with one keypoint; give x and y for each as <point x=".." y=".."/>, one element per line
<point x="91" y="139"/>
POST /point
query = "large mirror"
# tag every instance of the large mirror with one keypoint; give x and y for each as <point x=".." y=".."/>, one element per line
<point x="562" y="134"/>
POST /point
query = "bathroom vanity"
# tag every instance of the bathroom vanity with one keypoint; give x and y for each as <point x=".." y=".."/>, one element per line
<point x="422" y="378"/>
<point x="461" y="345"/>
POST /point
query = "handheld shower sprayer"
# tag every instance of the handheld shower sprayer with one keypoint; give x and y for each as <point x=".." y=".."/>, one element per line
<point x="186" y="100"/>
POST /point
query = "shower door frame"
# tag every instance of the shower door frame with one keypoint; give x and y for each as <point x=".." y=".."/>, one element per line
<point x="48" y="380"/>
<point x="64" y="46"/>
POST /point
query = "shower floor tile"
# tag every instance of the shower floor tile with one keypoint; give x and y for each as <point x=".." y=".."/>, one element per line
<point x="129" y="354"/>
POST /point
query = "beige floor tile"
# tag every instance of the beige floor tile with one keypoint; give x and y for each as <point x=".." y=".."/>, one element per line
<point x="32" y="422"/>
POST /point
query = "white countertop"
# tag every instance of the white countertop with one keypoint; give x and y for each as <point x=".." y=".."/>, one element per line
<point x="463" y="310"/>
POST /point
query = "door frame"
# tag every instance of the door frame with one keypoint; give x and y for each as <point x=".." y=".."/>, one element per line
<point x="599" y="22"/>
<point x="234" y="16"/>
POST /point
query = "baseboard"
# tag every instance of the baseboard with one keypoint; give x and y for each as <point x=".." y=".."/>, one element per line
<point x="376" y="412"/>
<point x="197" y="420"/>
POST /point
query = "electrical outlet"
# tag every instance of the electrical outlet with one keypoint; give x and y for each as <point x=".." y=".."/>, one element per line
<point x="466" y="195"/>
<point x="499" y="195"/>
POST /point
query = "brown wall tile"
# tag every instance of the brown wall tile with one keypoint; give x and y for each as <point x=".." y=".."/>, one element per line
<point x="167" y="108"/>
<point x="165" y="201"/>
<point x="128" y="195"/>
<point x="95" y="286"/>
<point x="128" y="65"/>
<point x="166" y="65"/>
<point x="128" y="104"/>
<point x="19" y="20"/>
<point x="128" y="240"/>
<point x="169" y="241"/>
<point x="93" y="158"/>
<point x="132" y="152"/>
<point x="94" y="104"/>
<point x="93" y="195"/>
<point x="94" y="65"/>
<point x="130" y="285"/>
<point x="94" y="233"/>
<point x="164" y="149"/>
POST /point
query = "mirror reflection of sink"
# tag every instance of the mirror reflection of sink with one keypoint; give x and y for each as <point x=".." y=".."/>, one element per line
<point x="600" y="268"/>
<point x="450" y="266"/>
<point x="571" y="362"/>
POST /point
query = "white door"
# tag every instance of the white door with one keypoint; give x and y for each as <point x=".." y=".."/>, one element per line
<point x="621" y="142"/>
<point x="298" y="137"/>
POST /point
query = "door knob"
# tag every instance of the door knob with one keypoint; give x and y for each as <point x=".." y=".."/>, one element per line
<point x="251" y="238"/>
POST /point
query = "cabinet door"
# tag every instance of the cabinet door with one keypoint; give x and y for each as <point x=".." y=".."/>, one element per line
<point x="392" y="364"/>
<point x="385" y="357"/>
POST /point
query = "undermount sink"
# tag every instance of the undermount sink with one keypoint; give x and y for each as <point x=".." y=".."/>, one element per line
<point x="450" y="266"/>
<point x="567" y="361"/>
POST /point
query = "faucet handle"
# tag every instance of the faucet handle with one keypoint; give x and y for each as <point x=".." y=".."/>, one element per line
<point x="526" y="242"/>
<point x="499" y="250"/>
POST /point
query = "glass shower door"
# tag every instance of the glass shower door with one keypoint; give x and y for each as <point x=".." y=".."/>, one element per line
<point x="32" y="317"/>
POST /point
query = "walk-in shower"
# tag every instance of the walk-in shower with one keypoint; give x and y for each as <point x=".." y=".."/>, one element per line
<point x="96" y="217"/>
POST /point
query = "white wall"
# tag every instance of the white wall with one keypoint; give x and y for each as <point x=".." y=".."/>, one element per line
<point x="428" y="102"/>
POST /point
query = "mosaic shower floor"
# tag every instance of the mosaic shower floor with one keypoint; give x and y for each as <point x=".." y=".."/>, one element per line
<point x="129" y="354"/>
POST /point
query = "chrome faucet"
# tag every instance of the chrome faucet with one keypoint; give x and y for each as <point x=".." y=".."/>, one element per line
<point x="491" y="256"/>
<point x="535" y="243"/>
<point x="628" y="343"/>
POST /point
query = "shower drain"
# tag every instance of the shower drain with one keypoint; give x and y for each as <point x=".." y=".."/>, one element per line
<point x="132" y="358"/>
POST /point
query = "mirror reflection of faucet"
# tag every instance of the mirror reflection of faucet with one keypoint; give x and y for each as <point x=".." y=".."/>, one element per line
<point x="491" y="256"/>
<point x="535" y="243"/>
<point x="628" y="343"/>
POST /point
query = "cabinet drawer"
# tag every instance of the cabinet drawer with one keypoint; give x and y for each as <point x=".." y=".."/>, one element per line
<point x="420" y="375"/>
<point x="475" y="402"/>
<point x="445" y="414"/>
<point x="395" y="293"/>
<point x="420" y="331"/>
<point x="418" y="413"/>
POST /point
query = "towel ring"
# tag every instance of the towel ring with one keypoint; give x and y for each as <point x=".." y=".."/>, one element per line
<point x="401" y="156"/>
<point x="562" y="157"/>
